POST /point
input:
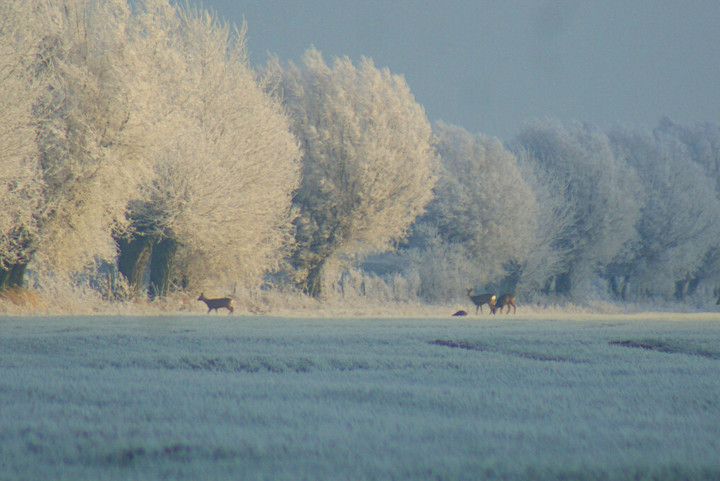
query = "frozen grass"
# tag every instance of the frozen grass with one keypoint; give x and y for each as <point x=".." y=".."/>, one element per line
<point x="603" y="397"/>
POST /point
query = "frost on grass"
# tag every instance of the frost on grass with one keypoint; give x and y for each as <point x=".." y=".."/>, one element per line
<point x="253" y="397"/>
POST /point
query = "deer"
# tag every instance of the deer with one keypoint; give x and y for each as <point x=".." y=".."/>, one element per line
<point x="481" y="299"/>
<point x="505" y="300"/>
<point x="220" y="302"/>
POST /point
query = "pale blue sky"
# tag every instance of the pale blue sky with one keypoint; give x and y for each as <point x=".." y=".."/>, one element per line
<point x="491" y="65"/>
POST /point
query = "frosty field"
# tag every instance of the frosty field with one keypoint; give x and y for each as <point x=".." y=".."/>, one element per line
<point x="252" y="397"/>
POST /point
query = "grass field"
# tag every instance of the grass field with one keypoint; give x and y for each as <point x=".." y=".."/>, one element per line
<point x="253" y="397"/>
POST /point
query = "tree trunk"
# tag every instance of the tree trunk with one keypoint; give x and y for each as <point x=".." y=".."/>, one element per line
<point x="12" y="276"/>
<point x="693" y="285"/>
<point x="563" y="284"/>
<point x="313" y="284"/>
<point x="511" y="281"/>
<point x="682" y="288"/>
<point x="133" y="258"/>
<point x="161" y="263"/>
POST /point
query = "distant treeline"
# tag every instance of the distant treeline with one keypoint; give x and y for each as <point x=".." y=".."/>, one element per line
<point x="141" y="154"/>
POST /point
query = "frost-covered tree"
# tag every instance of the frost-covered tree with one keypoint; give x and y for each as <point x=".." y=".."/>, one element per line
<point x="83" y="122"/>
<point x="368" y="165"/>
<point x="218" y="208"/>
<point x="20" y="185"/>
<point x="87" y="147"/>
<point x="482" y="207"/>
<point x="678" y="227"/>
<point x="152" y="64"/>
<point x="702" y="142"/>
<point x="548" y="254"/>
<point x="601" y="191"/>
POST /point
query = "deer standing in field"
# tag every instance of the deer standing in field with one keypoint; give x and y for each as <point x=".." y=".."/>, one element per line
<point x="505" y="300"/>
<point x="220" y="302"/>
<point x="481" y="299"/>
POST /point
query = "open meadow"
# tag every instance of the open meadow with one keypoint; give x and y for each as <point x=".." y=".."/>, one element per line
<point x="525" y="397"/>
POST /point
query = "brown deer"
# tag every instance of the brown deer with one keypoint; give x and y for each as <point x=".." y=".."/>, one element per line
<point x="481" y="299"/>
<point x="218" y="303"/>
<point x="505" y="300"/>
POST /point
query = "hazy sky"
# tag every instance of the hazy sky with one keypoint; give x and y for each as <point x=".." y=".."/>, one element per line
<point x="491" y="65"/>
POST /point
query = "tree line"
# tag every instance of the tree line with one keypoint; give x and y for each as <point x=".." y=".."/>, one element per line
<point x="573" y="211"/>
<point x="138" y="145"/>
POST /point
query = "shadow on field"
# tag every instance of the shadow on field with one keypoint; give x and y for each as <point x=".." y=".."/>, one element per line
<point x="669" y="347"/>
<point x="525" y="354"/>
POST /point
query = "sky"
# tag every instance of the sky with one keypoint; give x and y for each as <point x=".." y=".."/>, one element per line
<point x="491" y="66"/>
